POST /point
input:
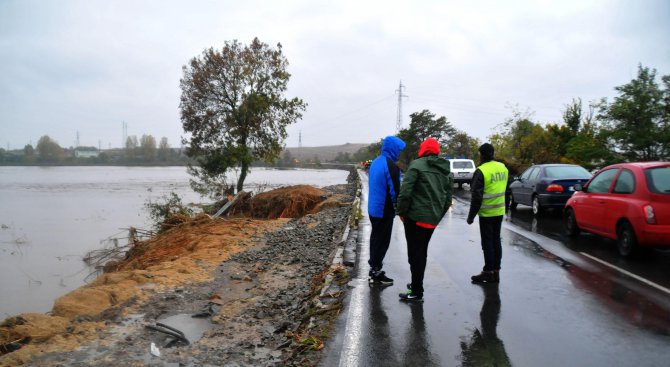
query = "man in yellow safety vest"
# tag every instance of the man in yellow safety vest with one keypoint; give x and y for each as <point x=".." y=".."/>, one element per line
<point x="490" y="196"/>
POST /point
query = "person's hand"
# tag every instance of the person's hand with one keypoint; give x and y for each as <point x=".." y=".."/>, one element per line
<point x="402" y="219"/>
<point x="470" y="220"/>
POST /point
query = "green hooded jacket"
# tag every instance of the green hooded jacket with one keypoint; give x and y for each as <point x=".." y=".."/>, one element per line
<point x="425" y="191"/>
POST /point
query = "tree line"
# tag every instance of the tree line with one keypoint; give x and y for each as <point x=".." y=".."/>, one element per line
<point x="634" y="126"/>
<point x="136" y="152"/>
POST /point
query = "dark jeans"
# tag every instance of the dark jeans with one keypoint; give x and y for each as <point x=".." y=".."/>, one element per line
<point x="489" y="229"/>
<point x="417" y="252"/>
<point x="380" y="238"/>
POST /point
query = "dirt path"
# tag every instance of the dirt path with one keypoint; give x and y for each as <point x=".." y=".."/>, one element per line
<point x="253" y="283"/>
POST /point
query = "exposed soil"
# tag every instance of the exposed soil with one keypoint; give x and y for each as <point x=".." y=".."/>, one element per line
<point x="255" y="285"/>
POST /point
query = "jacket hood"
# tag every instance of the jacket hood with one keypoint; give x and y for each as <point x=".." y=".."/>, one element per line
<point x="438" y="163"/>
<point x="429" y="146"/>
<point x="392" y="146"/>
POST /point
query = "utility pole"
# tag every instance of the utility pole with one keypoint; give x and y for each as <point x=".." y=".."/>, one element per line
<point x="76" y="144"/>
<point x="300" y="139"/>
<point x="398" y="125"/>
<point x="125" y="134"/>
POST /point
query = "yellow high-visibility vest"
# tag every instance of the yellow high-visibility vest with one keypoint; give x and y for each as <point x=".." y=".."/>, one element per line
<point x="495" y="184"/>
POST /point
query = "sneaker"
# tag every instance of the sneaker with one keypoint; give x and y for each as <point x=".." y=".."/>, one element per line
<point x="379" y="277"/>
<point x="410" y="297"/>
<point x="485" y="277"/>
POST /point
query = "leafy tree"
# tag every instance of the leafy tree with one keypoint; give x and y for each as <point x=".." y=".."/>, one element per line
<point x="636" y="122"/>
<point x="163" y="149"/>
<point x="29" y="154"/>
<point x="424" y="125"/>
<point x="131" y="147"/>
<point x="148" y="147"/>
<point x="48" y="150"/>
<point x="368" y="153"/>
<point x="588" y="148"/>
<point x="572" y="116"/>
<point x="462" y="145"/>
<point x="233" y="107"/>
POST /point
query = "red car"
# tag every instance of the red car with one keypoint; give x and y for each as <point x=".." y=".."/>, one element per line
<point x="627" y="202"/>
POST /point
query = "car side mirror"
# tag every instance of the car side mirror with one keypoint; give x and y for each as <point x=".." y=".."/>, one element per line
<point x="516" y="178"/>
<point x="578" y="187"/>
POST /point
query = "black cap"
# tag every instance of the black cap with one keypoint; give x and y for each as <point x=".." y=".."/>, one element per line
<point x="486" y="150"/>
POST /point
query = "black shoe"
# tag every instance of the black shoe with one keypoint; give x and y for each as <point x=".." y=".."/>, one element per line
<point x="379" y="277"/>
<point x="485" y="277"/>
<point x="411" y="297"/>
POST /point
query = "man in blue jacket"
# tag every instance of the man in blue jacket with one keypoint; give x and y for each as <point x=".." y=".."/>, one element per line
<point x="384" y="181"/>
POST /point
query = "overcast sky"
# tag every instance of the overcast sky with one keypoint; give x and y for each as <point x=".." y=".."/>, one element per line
<point x="87" y="66"/>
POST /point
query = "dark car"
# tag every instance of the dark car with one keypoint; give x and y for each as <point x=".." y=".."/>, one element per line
<point x="627" y="202"/>
<point x="547" y="186"/>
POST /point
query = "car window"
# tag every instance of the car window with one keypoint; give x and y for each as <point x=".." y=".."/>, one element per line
<point x="602" y="182"/>
<point x="535" y="175"/>
<point x="658" y="180"/>
<point x="463" y="164"/>
<point x="625" y="183"/>
<point x="526" y="174"/>
<point x="567" y="172"/>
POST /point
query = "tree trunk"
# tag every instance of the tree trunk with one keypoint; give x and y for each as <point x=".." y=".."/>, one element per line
<point x="243" y="176"/>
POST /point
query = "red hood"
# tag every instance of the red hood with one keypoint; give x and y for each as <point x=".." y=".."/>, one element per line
<point x="429" y="146"/>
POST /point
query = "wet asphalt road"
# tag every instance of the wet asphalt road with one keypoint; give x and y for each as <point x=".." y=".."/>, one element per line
<point x="558" y="303"/>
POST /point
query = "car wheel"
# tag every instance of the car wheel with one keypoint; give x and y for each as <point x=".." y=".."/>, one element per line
<point x="537" y="209"/>
<point x="571" y="227"/>
<point x="512" y="202"/>
<point x="625" y="239"/>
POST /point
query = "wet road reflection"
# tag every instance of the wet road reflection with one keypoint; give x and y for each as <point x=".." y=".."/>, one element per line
<point x="637" y="303"/>
<point x="651" y="264"/>
<point x="418" y="347"/>
<point x="485" y="347"/>
<point x="379" y="329"/>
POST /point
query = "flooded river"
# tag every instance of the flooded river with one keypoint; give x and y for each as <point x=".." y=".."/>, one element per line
<point x="51" y="217"/>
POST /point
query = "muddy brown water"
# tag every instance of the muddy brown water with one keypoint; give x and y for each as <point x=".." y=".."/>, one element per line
<point x="52" y="216"/>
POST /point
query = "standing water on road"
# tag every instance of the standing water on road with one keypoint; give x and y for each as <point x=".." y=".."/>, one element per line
<point x="52" y="216"/>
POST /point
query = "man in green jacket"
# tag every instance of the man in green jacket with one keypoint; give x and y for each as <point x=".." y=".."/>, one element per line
<point x="425" y="196"/>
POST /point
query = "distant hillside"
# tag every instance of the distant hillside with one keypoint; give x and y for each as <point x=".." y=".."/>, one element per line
<point x="325" y="153"/>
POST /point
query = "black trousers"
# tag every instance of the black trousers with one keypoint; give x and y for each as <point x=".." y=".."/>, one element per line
<point x="380" y="238"/>
<point x="489" y="229"/>
<point x="417" y="252"/>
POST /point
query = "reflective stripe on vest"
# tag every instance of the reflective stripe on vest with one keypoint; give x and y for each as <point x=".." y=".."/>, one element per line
<point x="495" y="184"/>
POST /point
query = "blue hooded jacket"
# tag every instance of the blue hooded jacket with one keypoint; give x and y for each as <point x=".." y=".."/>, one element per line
<point x="385" y="179"/>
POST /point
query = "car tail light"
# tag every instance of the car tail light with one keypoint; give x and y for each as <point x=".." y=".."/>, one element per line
<point x="554" y="188"/>
<point x="649" y="214"/>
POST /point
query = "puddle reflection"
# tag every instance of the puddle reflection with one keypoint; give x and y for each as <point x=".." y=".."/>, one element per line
<point x="484" y="347"/>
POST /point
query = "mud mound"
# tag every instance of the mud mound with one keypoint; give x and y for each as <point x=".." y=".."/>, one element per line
<point x="285" y="202"/>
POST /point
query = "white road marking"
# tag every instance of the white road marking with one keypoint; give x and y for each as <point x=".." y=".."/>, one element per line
<point x="639" y="278"/>
<point x="351" y="346"/>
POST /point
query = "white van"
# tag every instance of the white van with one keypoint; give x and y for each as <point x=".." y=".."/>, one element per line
<point x="462" y="170"/>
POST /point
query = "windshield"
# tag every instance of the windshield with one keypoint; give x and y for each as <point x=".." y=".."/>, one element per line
<point x="567" y="172"/>
<point x="463" y="164"/>
<point x="658" y="180"/>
